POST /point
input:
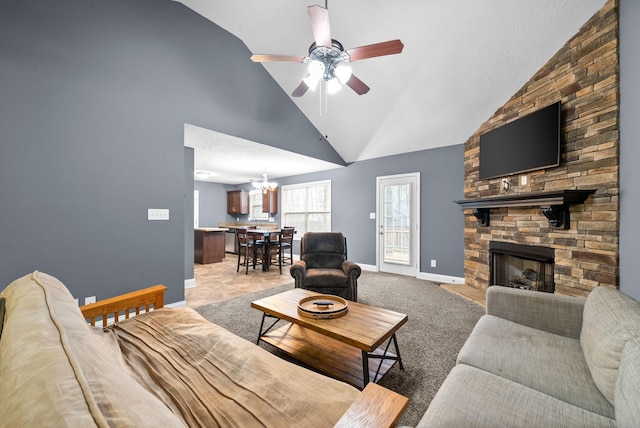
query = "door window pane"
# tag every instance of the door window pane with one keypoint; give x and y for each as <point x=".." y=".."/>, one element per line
<point x="397" y="221"/>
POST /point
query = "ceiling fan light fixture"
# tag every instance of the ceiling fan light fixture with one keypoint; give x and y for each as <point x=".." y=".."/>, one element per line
<point x="316" y="69"/>
<point x="311" y="82"/>
<point x="327" y="56"/>
<point x="343" y="73"/>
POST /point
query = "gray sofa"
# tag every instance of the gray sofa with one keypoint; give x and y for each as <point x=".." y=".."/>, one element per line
<point x="543" y="360"/>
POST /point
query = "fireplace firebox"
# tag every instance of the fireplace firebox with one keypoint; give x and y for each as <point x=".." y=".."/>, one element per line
<point x="521" y="266"/>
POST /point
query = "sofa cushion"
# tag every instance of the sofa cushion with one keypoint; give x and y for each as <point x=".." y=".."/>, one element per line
<point x="546" y="362"/>
<point x="610" y="320"/>
<point x="57" y="371"/>
<point x="628" y="386"/>
<point x="323" y="278"/>
<point x="323" y="250"/>
<point x="231" y="381"/>
<point x="470" y="397"/>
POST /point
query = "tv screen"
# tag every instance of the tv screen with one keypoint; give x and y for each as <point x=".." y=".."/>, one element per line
<point x="526" y="144"/>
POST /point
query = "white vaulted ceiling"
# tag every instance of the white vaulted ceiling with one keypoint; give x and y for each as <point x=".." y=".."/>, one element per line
<point x="461" y="61"/>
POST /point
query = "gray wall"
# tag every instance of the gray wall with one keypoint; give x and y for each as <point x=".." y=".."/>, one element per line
<point x="213" y="203"/>
<point x="353" y="192"/>
<point x="189" y="239"/>
<point x="629" y="147"/>
<point x="93" y="101"/>
<point x="353" y="197"/>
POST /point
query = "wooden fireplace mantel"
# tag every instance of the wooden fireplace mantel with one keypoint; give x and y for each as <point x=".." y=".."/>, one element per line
<point x="554" y="204"/>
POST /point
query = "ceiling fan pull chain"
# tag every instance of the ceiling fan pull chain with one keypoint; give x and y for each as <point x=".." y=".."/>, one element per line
<point x="326" y="99"/>
<point x="320" y="99"/>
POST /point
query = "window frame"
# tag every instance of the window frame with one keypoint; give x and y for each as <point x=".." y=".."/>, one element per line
<point x="255" y="211"/>
<point x="306" y="212"/>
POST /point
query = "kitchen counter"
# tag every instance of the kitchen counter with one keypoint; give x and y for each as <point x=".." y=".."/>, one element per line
<point x="209" y="244"/>
<point x="211" y="229"/>
<point x="235" y="225"/>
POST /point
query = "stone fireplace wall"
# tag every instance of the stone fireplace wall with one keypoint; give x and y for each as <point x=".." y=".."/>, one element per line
<point x="583" y="75"/>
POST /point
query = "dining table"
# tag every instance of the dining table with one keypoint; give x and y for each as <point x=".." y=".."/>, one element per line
<point x="265" y="236"/>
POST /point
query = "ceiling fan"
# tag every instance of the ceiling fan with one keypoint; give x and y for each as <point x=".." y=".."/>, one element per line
<point x="328" y="60"/>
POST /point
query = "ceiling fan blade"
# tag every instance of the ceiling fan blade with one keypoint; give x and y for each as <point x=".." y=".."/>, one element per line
<point x="300" y="90"/>
<point x="319" y="17"/>
<point x="357" y="85"/>
<point x="268" y="58"/>
<point x="377" y="49"/>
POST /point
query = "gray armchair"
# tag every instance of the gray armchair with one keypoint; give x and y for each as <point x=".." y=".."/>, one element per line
<point x="323" y="266"/>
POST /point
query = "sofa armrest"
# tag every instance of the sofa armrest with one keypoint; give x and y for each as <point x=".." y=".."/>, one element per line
<point x="543" y="311"/>
<point x="375" y="407"/>
<point x="298" y="271"/>
<point x="351" y="269"/>
<point x="126" y="304"/>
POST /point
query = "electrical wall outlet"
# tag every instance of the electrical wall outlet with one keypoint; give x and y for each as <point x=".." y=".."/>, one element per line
<point x="89" y="300"/>
<point x="433" y="263"/>
<point x="524" y="180"/>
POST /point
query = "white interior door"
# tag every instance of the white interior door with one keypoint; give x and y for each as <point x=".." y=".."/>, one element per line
<point x="196" y="209"/>
<point x="397" y="225"/>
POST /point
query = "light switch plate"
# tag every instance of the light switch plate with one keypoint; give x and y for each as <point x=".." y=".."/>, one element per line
<point x="372" y="216"/>
<point x="157" y="214"/>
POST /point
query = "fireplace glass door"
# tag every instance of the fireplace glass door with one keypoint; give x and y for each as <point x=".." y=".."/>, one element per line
<point x="519" y="266"/>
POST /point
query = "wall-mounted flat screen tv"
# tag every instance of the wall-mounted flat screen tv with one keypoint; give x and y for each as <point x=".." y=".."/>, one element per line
<point x="526" y="144"/>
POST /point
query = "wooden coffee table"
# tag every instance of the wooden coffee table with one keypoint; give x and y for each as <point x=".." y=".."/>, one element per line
<point x="349" y="348"/>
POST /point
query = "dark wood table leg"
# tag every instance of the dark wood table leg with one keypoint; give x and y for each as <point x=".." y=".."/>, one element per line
<point x="365" y="368"/>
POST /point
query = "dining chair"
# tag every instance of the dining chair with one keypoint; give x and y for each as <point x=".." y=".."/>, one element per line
<point x="286" y="242"/>
<point x="274" y="250"/>
<point x="247" y="254"/>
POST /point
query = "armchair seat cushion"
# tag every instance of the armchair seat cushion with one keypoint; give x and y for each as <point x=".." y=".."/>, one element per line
<point x="322" y="277"/>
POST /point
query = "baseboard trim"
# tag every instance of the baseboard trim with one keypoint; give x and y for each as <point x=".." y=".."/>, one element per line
<point x="180" y="304"/>
<point x="422" y="275"/>
<point x="370" y="268"/>
<point x="440" y="278"/>
<point x="189" y="283"/>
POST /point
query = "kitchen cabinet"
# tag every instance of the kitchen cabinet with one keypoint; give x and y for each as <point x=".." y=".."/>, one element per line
<point x="270" y="202"/>
<point x="237" y="202"/>
<point x="209" y="244"/>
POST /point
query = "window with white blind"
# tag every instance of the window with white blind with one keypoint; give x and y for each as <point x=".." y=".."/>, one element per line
<point x="255" y="202"/>
<point x="307" y="207"/>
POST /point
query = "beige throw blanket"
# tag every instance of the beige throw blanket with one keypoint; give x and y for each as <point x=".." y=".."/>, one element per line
<point x="210" y="377"/>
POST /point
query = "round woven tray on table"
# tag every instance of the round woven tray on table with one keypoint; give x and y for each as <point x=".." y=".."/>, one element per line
<point x="323" y="306"/>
